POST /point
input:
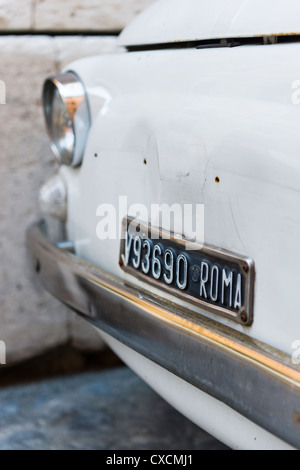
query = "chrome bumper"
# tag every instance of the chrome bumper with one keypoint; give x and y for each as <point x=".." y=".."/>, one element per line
<point x="252" y="378"/>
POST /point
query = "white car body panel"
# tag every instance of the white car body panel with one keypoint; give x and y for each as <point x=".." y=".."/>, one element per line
<point x="218" y="127"/>
<point x="241" y="126"/>
<point x="170" y="21"/>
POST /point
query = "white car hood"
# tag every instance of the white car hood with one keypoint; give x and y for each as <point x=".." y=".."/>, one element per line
<point x="169" y="21"/>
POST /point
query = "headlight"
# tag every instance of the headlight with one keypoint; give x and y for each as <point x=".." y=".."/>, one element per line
<point x="67" y="117"/>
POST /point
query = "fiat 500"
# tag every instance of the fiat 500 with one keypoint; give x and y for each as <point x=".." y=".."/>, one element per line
<point x="179" y="190"/>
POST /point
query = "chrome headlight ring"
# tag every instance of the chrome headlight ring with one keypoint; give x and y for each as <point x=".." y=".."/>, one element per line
<point x="67" y="117"/>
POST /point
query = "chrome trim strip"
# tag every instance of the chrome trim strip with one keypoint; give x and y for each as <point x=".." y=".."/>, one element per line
<point x="254" y="379"/>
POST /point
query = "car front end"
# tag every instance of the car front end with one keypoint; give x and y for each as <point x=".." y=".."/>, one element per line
<point x="178" y="189"/>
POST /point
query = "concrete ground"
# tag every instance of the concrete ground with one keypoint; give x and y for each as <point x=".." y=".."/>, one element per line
<point x="110" y="410"/>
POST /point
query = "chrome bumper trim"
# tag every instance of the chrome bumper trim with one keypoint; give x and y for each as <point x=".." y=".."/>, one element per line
<point x="252" y="378"/>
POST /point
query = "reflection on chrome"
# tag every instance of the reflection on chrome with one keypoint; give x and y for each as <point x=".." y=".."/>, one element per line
<point x="200" y="351"/>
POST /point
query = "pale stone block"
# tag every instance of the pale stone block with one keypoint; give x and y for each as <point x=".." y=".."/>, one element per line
<point x="90" y="15"/>
<point x="16" y="15"/>
<point x="31" y="321"/>
<point x="71" y="48"/>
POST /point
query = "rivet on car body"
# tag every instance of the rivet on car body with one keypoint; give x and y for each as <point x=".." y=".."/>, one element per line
<point x="244" y="318"/>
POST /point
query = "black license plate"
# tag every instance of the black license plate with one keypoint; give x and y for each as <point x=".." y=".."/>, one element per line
<point x="217" y="280"/>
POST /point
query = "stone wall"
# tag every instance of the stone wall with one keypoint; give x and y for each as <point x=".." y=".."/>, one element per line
<point x="31" y="321"/>
<point x="68" y="15"/>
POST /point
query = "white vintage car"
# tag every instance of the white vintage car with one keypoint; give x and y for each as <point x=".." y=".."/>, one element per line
<point x="179" y="187"/>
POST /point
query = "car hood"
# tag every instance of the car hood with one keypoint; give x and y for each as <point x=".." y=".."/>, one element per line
<point x="169" y="21"/>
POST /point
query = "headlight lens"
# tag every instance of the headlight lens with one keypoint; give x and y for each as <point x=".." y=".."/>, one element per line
<point x="67" y="117"/>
